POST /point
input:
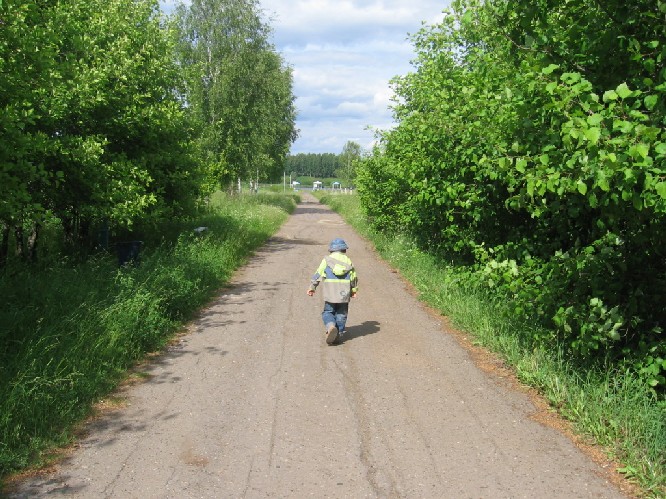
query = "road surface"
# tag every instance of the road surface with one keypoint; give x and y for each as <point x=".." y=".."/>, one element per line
<point x="252" y="403"/>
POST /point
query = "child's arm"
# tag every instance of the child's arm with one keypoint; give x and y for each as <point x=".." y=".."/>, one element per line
<point x="316" y="278"/>
<point x="353" y="278"/>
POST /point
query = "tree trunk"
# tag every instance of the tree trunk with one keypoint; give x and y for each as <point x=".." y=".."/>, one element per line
<point x="83" y="233"/>
<point x="32" y="242"/>
<point x="20" y="246"/>
<point x="70" y="227"/>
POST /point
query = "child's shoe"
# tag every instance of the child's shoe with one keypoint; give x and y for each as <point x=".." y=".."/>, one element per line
<point x="331" y="334"/>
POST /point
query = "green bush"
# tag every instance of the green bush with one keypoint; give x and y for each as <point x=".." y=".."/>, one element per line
<point x="542" y="170"/>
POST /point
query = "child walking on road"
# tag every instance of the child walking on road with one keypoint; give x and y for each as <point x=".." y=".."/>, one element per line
<point x="340" y="284"/>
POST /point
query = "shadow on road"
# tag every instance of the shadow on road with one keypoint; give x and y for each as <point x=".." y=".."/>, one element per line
<point x="365" y="329"/>
<point x="310" y="210"/>
<point x="276" y="243"/>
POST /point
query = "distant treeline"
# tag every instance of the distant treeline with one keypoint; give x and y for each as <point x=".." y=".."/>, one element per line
<point x="314" y="165"/>
<point x="326" y="165"/>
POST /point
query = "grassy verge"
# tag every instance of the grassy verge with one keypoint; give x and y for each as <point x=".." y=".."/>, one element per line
<point x="616" y="409"/>
<point x="69" y="333"/>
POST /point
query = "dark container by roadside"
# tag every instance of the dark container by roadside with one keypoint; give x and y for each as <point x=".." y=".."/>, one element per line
<point x="128" y="252"/>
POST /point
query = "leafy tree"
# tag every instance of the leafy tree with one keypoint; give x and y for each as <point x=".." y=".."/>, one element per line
<point x="26" y="57"/>
<point x="531" y="146"/>
<point x="93" y="127"/>
<point x="351" y="153"/>
<point x="239" y="91"/>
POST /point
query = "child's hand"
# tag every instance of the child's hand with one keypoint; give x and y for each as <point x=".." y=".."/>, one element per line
<point x="311" y="292"/>
<point x="353" y="295"/>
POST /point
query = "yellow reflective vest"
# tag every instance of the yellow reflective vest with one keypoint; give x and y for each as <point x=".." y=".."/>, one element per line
<point x="338" y="277"/>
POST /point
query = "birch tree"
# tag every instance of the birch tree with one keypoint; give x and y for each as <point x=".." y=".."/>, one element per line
<point x="239" y="90"/>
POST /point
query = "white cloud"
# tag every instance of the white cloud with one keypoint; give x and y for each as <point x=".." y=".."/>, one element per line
<point x="343" y="53"/>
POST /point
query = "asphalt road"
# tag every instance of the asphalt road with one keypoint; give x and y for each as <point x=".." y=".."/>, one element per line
<point x="253" y="403"/>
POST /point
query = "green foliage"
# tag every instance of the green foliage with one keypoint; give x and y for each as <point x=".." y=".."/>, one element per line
<point x="531" y="148"/>
<point x="384" y="193"/>
<point x="92" y="128"/>
<point x="327" y="165"/>
<point x="238" y="90"/>
<point x="349" y="158"/>
<point x="67" y="334"/>
<point x="312" y="164"/>
<point x="111" y="115"/>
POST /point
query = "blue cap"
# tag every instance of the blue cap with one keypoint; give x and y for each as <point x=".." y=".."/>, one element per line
<point x="338" y="245"/>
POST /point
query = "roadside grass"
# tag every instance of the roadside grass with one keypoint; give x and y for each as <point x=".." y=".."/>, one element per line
<point x="616" y="409"/>
<point x="69" y="333"/>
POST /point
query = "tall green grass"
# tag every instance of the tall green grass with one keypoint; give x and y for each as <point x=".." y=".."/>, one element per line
<point x="68" y="333"/>
<point x="615" y="408"/>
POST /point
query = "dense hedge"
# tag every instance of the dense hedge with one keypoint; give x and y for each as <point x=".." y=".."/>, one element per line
<point x="531" y="147"/>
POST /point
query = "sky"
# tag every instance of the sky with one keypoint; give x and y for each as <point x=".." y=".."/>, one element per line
<point x="343" y="54"/>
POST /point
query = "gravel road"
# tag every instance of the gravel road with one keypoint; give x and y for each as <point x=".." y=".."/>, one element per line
<point x="253" y="403"/>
